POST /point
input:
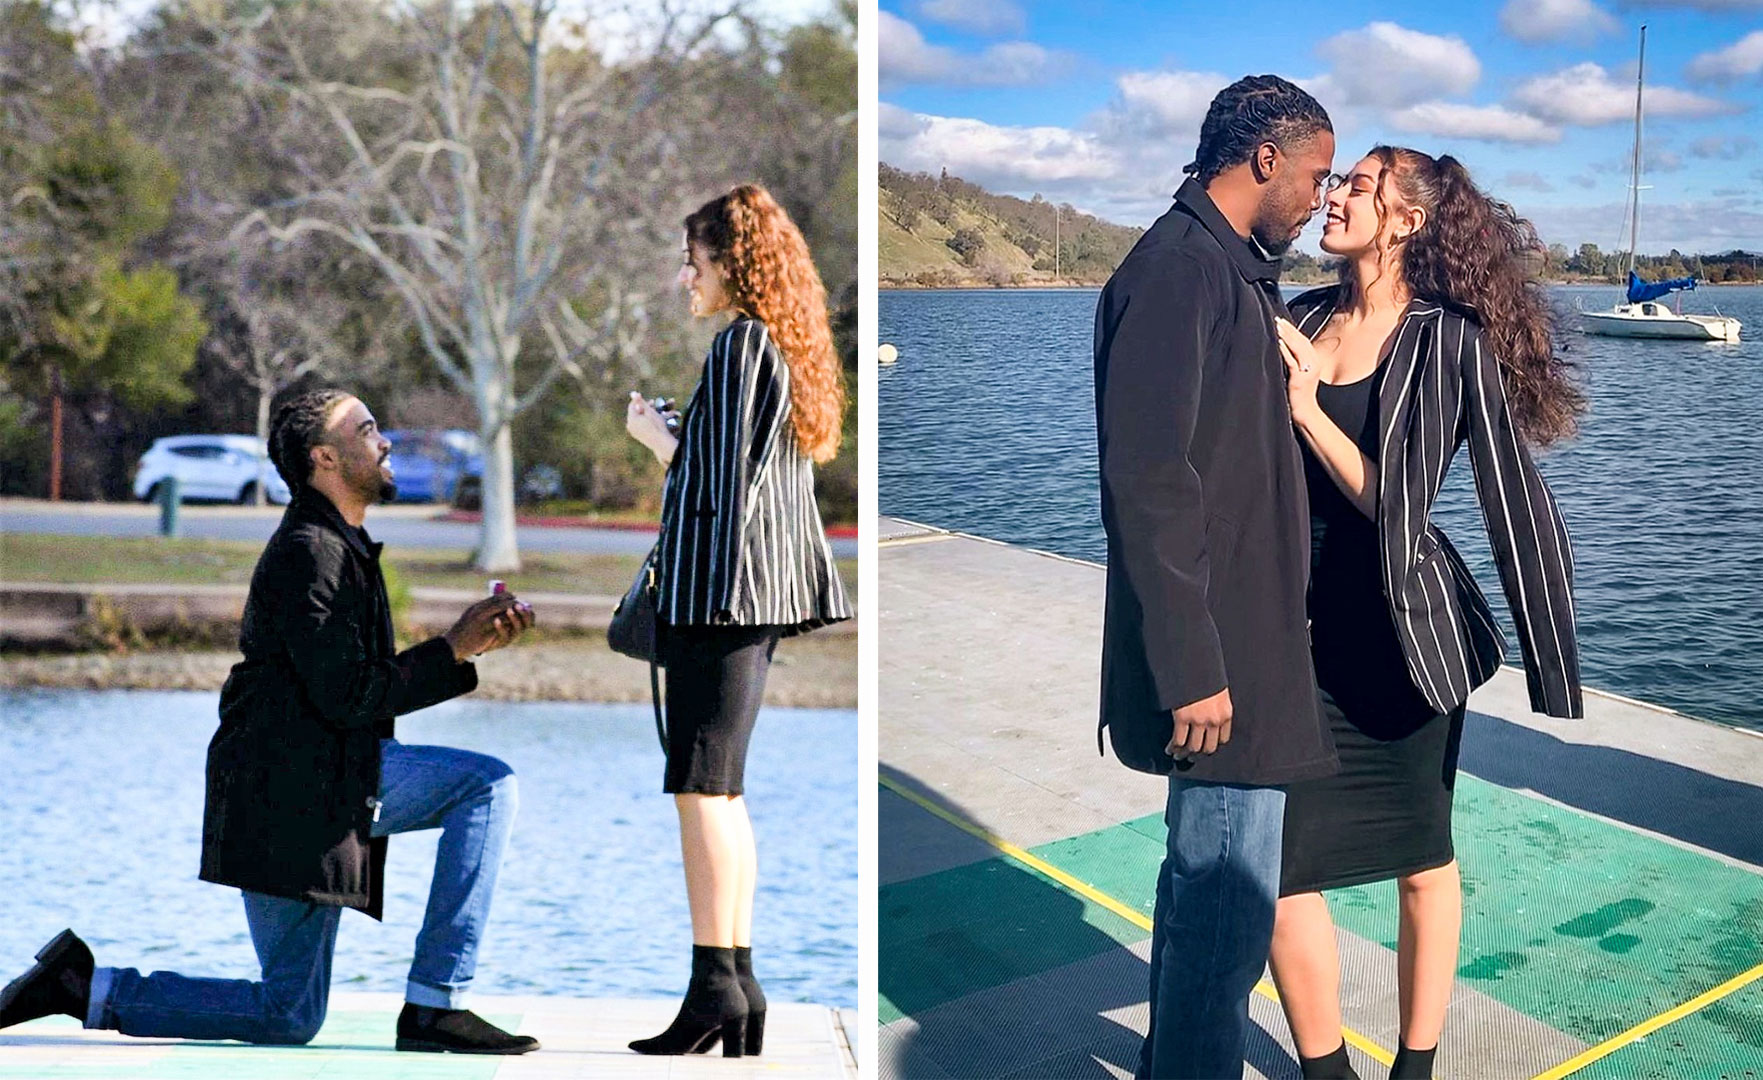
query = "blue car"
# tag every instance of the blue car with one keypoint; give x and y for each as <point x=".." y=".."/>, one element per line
<point x="429" y="465"/>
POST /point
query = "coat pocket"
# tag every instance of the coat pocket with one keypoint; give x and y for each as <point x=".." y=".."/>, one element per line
<point x="1427" y="547"/>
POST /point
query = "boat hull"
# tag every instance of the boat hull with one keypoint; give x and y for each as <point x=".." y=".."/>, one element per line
<point x="1670" y="326"/>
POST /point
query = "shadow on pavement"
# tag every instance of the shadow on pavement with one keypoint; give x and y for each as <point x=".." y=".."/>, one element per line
<point x="1674" y="800"/>
<point x="988" y="969"/>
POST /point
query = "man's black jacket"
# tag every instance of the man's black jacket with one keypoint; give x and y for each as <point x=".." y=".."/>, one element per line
<point x="1204" y="505"/>
<point x="294" y="771"/>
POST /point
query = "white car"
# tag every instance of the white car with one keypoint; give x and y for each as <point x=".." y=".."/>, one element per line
<point x="222" y="467"/>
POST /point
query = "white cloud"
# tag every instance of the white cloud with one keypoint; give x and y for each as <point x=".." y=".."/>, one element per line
<point x="1528" y="181"/>
<point x="1585" y="94"/>
<point x="992" y="18"/>
<point x="1583" y="181"/>
<point x="1705" y="226"/>
<point x="996" y="157"/>
<point x="1740" y="60"/>
<point x="1537" y="21"/>
<point x="1162" y="104"/>
<point x="1722" y="147"/>
<point x="1389" y="65"/>
<point x="1492" y="123"/>
<point x="1652" y="161"/>
<point x="905" y="57"/>
<point x="893" y="122"/>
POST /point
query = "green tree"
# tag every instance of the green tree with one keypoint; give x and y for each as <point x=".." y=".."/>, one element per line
<point x="81" y="193"/>
<point x="967" y="244"/>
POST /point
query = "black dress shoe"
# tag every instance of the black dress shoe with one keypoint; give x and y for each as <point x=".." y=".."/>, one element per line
<point x="456" y="1031"/>
<point x="59" y="984"/>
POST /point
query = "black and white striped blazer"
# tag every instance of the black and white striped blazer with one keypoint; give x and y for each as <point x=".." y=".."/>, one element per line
<point x="1441" y="388"/>
<point x="742" y="542"/>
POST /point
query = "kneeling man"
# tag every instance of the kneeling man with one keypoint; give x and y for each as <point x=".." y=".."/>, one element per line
<point x="306" y="781"/>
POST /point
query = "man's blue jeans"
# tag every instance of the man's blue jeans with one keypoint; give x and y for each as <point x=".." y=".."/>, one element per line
<point x="470" y="797"/>
<point x="1213" y="926"/>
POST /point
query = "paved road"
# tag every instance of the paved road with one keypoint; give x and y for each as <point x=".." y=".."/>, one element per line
<point x="398" y="526"/>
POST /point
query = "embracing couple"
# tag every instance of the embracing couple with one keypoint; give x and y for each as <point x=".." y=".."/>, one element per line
<point x="1287" y="636"/>
<point x="306" y="780"/>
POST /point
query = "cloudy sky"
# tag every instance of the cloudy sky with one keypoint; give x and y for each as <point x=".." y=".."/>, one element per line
<point x="1099" y="104"/>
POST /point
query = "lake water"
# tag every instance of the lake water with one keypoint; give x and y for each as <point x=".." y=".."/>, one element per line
<point x="987" y="426"/>
<point x="101" y="830"/>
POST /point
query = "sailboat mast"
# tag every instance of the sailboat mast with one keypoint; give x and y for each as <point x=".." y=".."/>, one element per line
<point x="1634" y="227"/>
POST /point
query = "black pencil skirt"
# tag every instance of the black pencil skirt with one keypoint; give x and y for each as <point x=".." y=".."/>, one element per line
<point x="1386" y="814"/>
<point x="715" y="685"/>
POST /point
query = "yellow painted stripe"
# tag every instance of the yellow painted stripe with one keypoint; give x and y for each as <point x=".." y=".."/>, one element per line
<point x="1095" y="896"/>
<point x="1647" y="1027"/>
<point x="902" y="541"/>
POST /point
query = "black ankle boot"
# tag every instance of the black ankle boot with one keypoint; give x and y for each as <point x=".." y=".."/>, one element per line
<point x="1335" y="1066"/>
<point x="755" y="999"/>
<point x="715" y="1008"/>
<point x="1412" y="1064"/>
<point x="60" y="983"/>
<point x="456" y="1031"/>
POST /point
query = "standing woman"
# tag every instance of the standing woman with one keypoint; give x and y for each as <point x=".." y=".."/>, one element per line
<point x="743" y="561"/>
<point x="1434" y="337"/>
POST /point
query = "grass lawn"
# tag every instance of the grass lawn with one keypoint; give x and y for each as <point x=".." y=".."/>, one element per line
<point x="32" y="557"/>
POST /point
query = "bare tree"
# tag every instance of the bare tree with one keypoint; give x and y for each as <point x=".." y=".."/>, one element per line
<point x="285" y="312"/>
<point x="512" y="189"/>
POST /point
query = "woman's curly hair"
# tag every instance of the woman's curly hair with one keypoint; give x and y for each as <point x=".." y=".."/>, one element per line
<point x="1475" y="252"/>
<point x="768" y="274"/>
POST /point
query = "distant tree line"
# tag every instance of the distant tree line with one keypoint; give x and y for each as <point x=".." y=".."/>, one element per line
<point x="461" y="211"/>
<point x="1732" y="267"/>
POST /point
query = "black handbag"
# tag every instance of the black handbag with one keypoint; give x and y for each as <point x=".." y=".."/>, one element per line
<point x="634" y="631"/>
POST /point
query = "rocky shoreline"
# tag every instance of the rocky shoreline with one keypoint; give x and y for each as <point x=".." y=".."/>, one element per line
<point x="813" y="671"/>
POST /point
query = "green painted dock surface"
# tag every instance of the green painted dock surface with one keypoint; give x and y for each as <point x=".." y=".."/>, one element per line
<point x="580" y="1038"/>
<point x="1612" y="867"/>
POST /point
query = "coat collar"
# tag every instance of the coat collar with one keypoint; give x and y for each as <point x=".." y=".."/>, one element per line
<point x="314" y="505"/>
<point x="1249" y="259"/>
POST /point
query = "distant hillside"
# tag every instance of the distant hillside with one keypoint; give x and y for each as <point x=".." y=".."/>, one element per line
<point x="944" y="232"/>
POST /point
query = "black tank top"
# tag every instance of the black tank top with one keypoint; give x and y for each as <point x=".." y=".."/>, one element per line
<point x="1358" y="657"/>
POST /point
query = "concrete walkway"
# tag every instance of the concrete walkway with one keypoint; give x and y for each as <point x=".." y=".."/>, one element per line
<point x="579" y="1038"/>
<point x="1613" y="866"/>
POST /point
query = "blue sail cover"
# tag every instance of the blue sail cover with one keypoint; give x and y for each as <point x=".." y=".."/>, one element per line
<point x="1640" y="291"/>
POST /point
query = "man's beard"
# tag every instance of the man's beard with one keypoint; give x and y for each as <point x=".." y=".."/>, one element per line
<point x="1272" y="227"/>
<point x="374" y="487"/>
<point x="1273" y="236"/>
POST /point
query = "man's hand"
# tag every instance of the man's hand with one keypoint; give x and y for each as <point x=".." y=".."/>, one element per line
<point x="489" y="624"/>
<point x="1202" y="726"/>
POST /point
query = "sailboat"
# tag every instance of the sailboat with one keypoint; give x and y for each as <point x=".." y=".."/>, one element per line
<point x="1640" y="315"/>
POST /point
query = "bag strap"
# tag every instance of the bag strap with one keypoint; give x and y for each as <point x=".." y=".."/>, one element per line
<point x="655" y="656"/>
<point x="655" y="699"/>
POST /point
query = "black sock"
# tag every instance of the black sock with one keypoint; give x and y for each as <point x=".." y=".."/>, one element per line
<point x="1335" y="1066"/>
<point x="1412" y="1064"/>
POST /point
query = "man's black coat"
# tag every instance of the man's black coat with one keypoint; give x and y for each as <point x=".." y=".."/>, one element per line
<point x="1204" y="505"/>
<point x="294" y="771"/>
